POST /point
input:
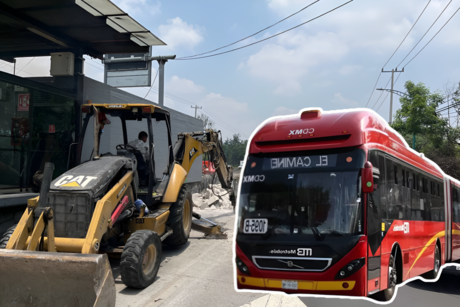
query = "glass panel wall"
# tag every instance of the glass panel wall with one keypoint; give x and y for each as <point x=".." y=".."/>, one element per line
<point x="35" y="127"/>
<point x="14" y="133"/>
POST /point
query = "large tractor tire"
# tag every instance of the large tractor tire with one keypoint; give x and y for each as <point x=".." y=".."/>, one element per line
<point x="6" y="236"/>
<point x="180" y="218"/>
<point x="140" y="259"/>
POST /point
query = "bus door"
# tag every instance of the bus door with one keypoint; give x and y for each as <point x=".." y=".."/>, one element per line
<point x="374" y="219"/>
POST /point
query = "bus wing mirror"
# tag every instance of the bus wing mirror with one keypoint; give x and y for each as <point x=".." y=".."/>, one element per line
<point x="367" y="179"/>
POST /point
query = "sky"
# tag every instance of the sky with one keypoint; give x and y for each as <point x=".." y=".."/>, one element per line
<point x="332" y="62"/>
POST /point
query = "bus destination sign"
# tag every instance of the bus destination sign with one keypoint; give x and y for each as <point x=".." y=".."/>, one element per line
<point x="301" y="162"/>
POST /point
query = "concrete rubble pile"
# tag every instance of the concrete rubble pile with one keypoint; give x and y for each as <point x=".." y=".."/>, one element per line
<point x="213" y="197"/>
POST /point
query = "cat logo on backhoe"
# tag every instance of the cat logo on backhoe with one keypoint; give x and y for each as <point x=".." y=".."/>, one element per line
<point x="71" y="181"/>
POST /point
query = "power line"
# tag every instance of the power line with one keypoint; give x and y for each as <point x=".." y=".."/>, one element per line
<point x="187" y="102"/>
<point x="26" y="64"/>
<point x="225" y="125"/>
<point x="9" y="65"/>
<point x="381" y="93"/>
<point x="214" y="116"/>
<point x="388" y="92"/>
<point x="380" y="73"/>
<point x="425" y="33"/>
<point x="184" y="101"/>
<point x="94" y="66"/>
<point x="191" y="56"/>
<point x="152" y="83"/>
<point x="433" y="37"/>
<point x="373" y="90"/>
<point x="267" y="38"/>
<point x="407" y="33"/>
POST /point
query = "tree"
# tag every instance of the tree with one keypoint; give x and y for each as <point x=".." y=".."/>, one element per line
<point x="418" y="113"/>
<point x="207" y="122"/>
<point x="417" y="121"/>
<point x="235" y="149"/>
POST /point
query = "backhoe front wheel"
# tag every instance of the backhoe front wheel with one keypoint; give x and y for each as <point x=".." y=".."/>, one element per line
<point x="180" y="218"/>
<point x="140" y="259"/>
<point x="6" y="236"/>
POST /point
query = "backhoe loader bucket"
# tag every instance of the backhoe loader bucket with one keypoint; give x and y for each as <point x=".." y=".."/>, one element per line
<point x="209" y="228"/>
<point x="43" y="279"/>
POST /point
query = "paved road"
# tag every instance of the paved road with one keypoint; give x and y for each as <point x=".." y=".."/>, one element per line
<point x="198" y="274"/>
<point x="201" y="274"/>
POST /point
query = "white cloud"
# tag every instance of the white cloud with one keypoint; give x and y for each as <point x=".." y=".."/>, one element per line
<point x="344" y="102"/>
<point x="286" y="5"/>
<point x="178" y="33"/>
<point x="284" y="111"/>
<point x="366" y="26"/>
<point x="183" y="87"/>
<point x="139" y="7"/>
<point x="229" y="115"/>
<point x="290" y="58"/>
<point x="349" y="69"/>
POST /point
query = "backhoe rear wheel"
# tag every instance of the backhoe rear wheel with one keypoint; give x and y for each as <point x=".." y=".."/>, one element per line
<point x="180" y="218"/>
<point x="140" y="259"/>
<point x="6" y="236"/>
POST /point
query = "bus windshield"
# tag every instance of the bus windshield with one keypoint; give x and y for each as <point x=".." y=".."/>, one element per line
<point x="309" y="194"/>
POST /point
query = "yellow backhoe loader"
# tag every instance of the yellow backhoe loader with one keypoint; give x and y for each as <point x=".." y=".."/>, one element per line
<point x="109" y="206"/>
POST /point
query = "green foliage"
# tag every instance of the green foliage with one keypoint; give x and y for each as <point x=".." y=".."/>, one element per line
<point x="418" y="111"/>
<point x="434" y="136"/>
<point x="235" y="149"/>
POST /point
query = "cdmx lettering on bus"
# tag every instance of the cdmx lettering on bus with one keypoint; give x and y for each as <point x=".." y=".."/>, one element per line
<point x="301" y="131"/>
<point x="254" y="178"/>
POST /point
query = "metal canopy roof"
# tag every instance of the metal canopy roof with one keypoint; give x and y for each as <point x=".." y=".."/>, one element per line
<point x="97" y="27"/>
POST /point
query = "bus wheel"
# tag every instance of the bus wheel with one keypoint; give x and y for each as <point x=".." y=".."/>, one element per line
<point x="437" y="265"/>
<point x="388" y="293"/>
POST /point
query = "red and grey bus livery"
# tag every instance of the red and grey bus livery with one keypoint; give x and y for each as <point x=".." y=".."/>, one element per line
<point x="336" y="203"/>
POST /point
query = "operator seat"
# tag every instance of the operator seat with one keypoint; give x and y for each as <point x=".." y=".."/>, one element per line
<point x="141" y="166"/>
<point x="142" y="169"/>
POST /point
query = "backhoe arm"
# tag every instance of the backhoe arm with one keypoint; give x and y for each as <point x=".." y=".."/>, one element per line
<point x="191" y="145"/>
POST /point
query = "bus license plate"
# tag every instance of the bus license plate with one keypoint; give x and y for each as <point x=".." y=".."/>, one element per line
<point x="255" y="225"/>
<point x="290" y="284"/>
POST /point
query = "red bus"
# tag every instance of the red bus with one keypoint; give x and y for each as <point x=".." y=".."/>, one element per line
<point x="336" y="203"/>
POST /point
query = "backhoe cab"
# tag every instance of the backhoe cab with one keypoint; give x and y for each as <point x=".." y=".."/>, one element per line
<point x="111" y="205"/>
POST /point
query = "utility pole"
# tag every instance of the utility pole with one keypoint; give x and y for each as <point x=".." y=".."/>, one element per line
<point x="161" y="70"/>
<point x="392" y="84"/>
<point x="196" y="107"/>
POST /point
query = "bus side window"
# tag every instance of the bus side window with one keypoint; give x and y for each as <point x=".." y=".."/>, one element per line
<point x="456" y="207"/>
<point x="384" y="197"/>
<point x="410" y="214"/>
<point x="424" y="200"/>
<point x="394" y="204"/>
<point x="403" y="182"/>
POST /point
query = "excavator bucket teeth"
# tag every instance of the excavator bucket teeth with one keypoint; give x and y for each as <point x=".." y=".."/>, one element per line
<point x="211" y="232"/>
<point x="55" y="279"/>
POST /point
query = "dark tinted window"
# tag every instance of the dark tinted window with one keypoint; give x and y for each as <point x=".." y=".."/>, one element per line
<point x="394" y="192"/>
<point x="456" y="205"/>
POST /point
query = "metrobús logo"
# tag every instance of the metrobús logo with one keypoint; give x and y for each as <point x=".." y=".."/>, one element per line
<point x="404" y="227"/>
<point x="301" y="131"/>
<point x="299" y="252"/>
